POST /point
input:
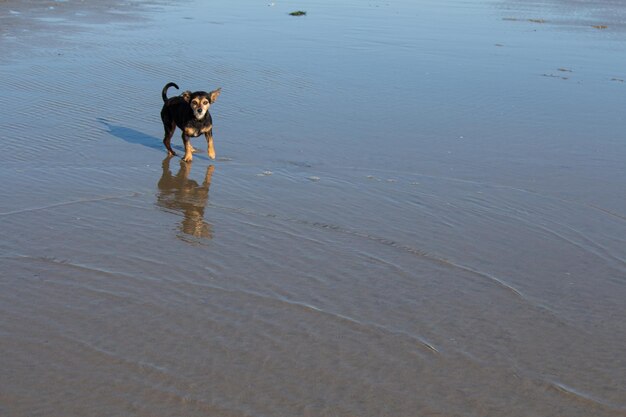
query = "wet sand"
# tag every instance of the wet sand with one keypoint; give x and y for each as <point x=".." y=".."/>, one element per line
<point x="416" y="210"/>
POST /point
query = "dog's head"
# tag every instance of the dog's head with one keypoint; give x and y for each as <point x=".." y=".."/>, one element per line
<point x="200" y="102"/>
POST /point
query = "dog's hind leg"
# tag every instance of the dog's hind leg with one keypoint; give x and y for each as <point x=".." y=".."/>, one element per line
<point x="169" y="131"/>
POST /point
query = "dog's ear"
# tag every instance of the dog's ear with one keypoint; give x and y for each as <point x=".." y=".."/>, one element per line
<point x="186" y="95"/>
<point x="213" y="95"/>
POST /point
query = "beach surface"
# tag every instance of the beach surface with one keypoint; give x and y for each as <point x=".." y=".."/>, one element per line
<point x="416" y="209"/>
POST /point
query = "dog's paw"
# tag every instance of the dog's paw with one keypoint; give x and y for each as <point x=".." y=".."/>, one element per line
<point x="171" y="153"/>
<point x="211" y="153"/>
<point x="188" y="158"/>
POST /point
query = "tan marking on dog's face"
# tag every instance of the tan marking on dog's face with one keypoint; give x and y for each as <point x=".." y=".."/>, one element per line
<point x="200" y="105"/>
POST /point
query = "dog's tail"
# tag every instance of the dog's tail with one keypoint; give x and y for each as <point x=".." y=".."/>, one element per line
<point x="164" y="92"/>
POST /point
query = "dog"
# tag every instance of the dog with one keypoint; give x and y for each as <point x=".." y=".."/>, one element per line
<point x="190" y="112"/>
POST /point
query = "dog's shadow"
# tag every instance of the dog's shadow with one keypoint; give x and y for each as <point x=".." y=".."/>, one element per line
<point x="131" y="135"/>
<point x="136" y="137"/>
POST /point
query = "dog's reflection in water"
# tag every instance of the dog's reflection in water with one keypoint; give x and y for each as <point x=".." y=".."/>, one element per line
<point x="179" y="194"/>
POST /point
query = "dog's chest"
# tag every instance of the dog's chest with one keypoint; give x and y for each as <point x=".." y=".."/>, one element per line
<point x="197" y="130"/>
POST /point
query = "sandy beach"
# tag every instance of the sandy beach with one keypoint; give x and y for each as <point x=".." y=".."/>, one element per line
<point x="416" y="209"/>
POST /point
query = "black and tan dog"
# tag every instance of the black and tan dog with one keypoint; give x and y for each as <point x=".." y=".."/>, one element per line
<point x="190" y="112"/>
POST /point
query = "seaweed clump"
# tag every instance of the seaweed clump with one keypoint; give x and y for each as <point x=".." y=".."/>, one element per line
<point x="298" y="13"/>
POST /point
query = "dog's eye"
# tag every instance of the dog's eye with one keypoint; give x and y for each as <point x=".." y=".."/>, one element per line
<point x="205" y="102"/>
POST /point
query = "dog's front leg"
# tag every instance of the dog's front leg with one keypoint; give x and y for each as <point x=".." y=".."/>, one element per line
<point x="188" y="148"/>
<point x="209" y="143"/>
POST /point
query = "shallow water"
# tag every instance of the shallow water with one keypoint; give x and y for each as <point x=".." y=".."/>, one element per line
<point x="416" y="210"/>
